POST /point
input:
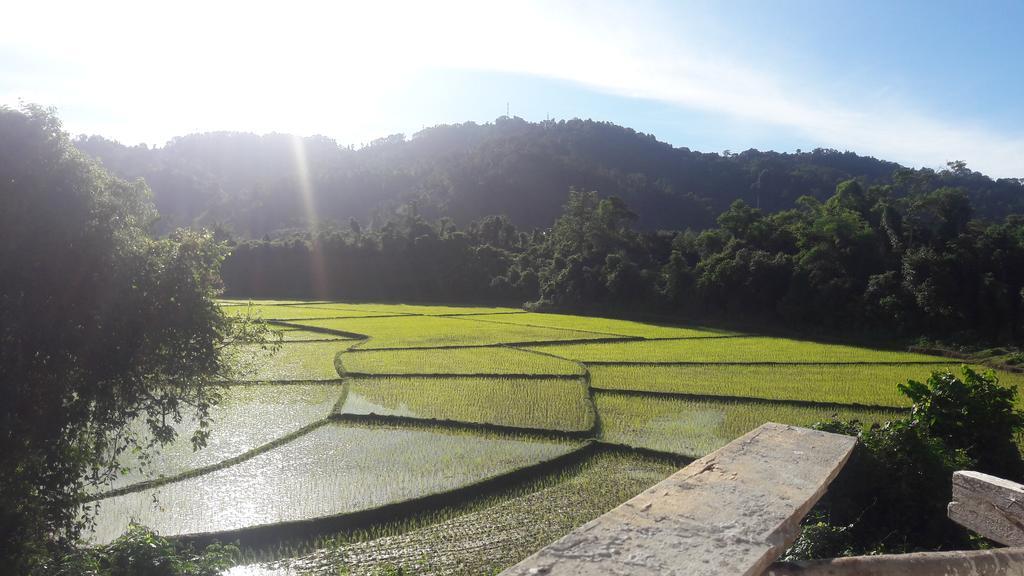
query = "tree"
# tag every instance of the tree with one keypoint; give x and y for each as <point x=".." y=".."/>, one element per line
<point x="676" y="281"/>
<point x="101" y="325"/>
<point x="740" y="220"/>
<point x="958" y="167"/>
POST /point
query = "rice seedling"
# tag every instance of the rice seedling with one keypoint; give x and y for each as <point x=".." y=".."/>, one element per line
<point x="299" y="361"/>
<point x="332" y="470"/>
<point x="605" y="326"/>
<point x="754" y="349"/>
<point x="428" y="331"/>
<point x="694" y="427"/>
<point x="285" y="312"/>
<point x="510" y="525"/>
<point x="556" y="404"/>
<point x="497" y="360"/>
<point x="346" y="467"/>
<point x="280" y="410"/>
<point x="416" y="309"/>
<point x="871" y="384"/>
<point x="259" y="302"/>
<point x="299" y="335"/>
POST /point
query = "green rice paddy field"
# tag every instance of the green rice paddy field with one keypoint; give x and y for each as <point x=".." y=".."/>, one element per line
<point x="392" y="435"/>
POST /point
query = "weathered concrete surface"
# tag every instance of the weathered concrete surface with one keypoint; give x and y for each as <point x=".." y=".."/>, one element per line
<point x="999" y="562"/>
<point x="732" y="512"/>
<point x="991" y="506"/>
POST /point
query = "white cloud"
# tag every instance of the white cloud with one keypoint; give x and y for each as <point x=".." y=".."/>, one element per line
<point x="139" y="71"/>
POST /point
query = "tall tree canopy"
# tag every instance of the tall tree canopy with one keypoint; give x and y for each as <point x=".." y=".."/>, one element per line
<point x="101" y="325"/>
<point x="865" y="259"/>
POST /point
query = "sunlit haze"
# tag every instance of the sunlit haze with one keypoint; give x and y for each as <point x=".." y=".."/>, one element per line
<point x="921" y="83"/>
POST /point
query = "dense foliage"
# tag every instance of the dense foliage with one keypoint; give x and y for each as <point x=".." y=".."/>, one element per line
<point x="890" y="258"/>
<point x="101" y="325"/>
<point x="256" y="185"/>
<point x="974" y="414"/>
<point x="891" y="496"/>
<point x="141" y="552"/>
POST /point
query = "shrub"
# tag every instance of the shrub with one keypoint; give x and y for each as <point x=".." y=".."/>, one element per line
<point x="142" y="552"/>
<point x="892" y="494"/>
<point x="890" y="497"/>
<point x="974" y="414"/>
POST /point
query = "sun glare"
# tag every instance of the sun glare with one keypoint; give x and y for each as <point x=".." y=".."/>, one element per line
<point x="318" y="279"/>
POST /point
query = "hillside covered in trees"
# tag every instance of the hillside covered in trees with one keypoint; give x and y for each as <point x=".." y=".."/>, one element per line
<point x="589" y="216"/>
<point x="251" y="185"/>
<point x="863" y="260"/>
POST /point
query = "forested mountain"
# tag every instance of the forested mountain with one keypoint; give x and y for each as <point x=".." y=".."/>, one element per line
<point x="251" y="185"/>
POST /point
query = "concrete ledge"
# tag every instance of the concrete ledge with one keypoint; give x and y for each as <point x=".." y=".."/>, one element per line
<point x="991" y="506"/>
<point x="732" y="512"/>
<point x="999" y="562"/>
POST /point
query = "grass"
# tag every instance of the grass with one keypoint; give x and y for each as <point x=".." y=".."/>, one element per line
<point x="284" y="312"/>
<point x="694" y="427"/>
<point x="427" y="310"/>
<point x="280" y="410"/>
<point x="497" y="360"/>
<point x="606" y="326"/>
<point x="298" y="335"/>
<point x="246" y="302"/>
<point x="332" y="470"/>
<point x="873" y="384"/>
<point x="741" y="350"/>
<point x="432" y="331"/>
<point x="508" y="526"/>
<point x="299" y="361"/>
<point x="534" y="403"/>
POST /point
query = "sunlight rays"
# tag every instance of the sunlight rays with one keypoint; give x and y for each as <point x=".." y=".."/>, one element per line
<point x="318" y="279"/>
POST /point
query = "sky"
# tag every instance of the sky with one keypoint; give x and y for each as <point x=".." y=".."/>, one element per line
<point x="917" y="82"/>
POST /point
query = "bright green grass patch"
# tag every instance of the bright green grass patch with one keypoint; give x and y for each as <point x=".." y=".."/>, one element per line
<point x="871" y="384"/>
<point x="298" y="335"/>
<point x="550" y="404"/>
<point x="332" y="470"/>
<point x="280" y="312"/>
<point x="246" y="301"/>
<point x="426" y="310"/>
<point x="426" y="331"/>
<point x="299" y="361"/>
<point x="605" y="326"/>
<point x="279" y="410"/>
<point x="498" y="360"/>
<point x="741" y="349"/>
<point x="509" y="526"/>
<point x="691" y="427"/>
